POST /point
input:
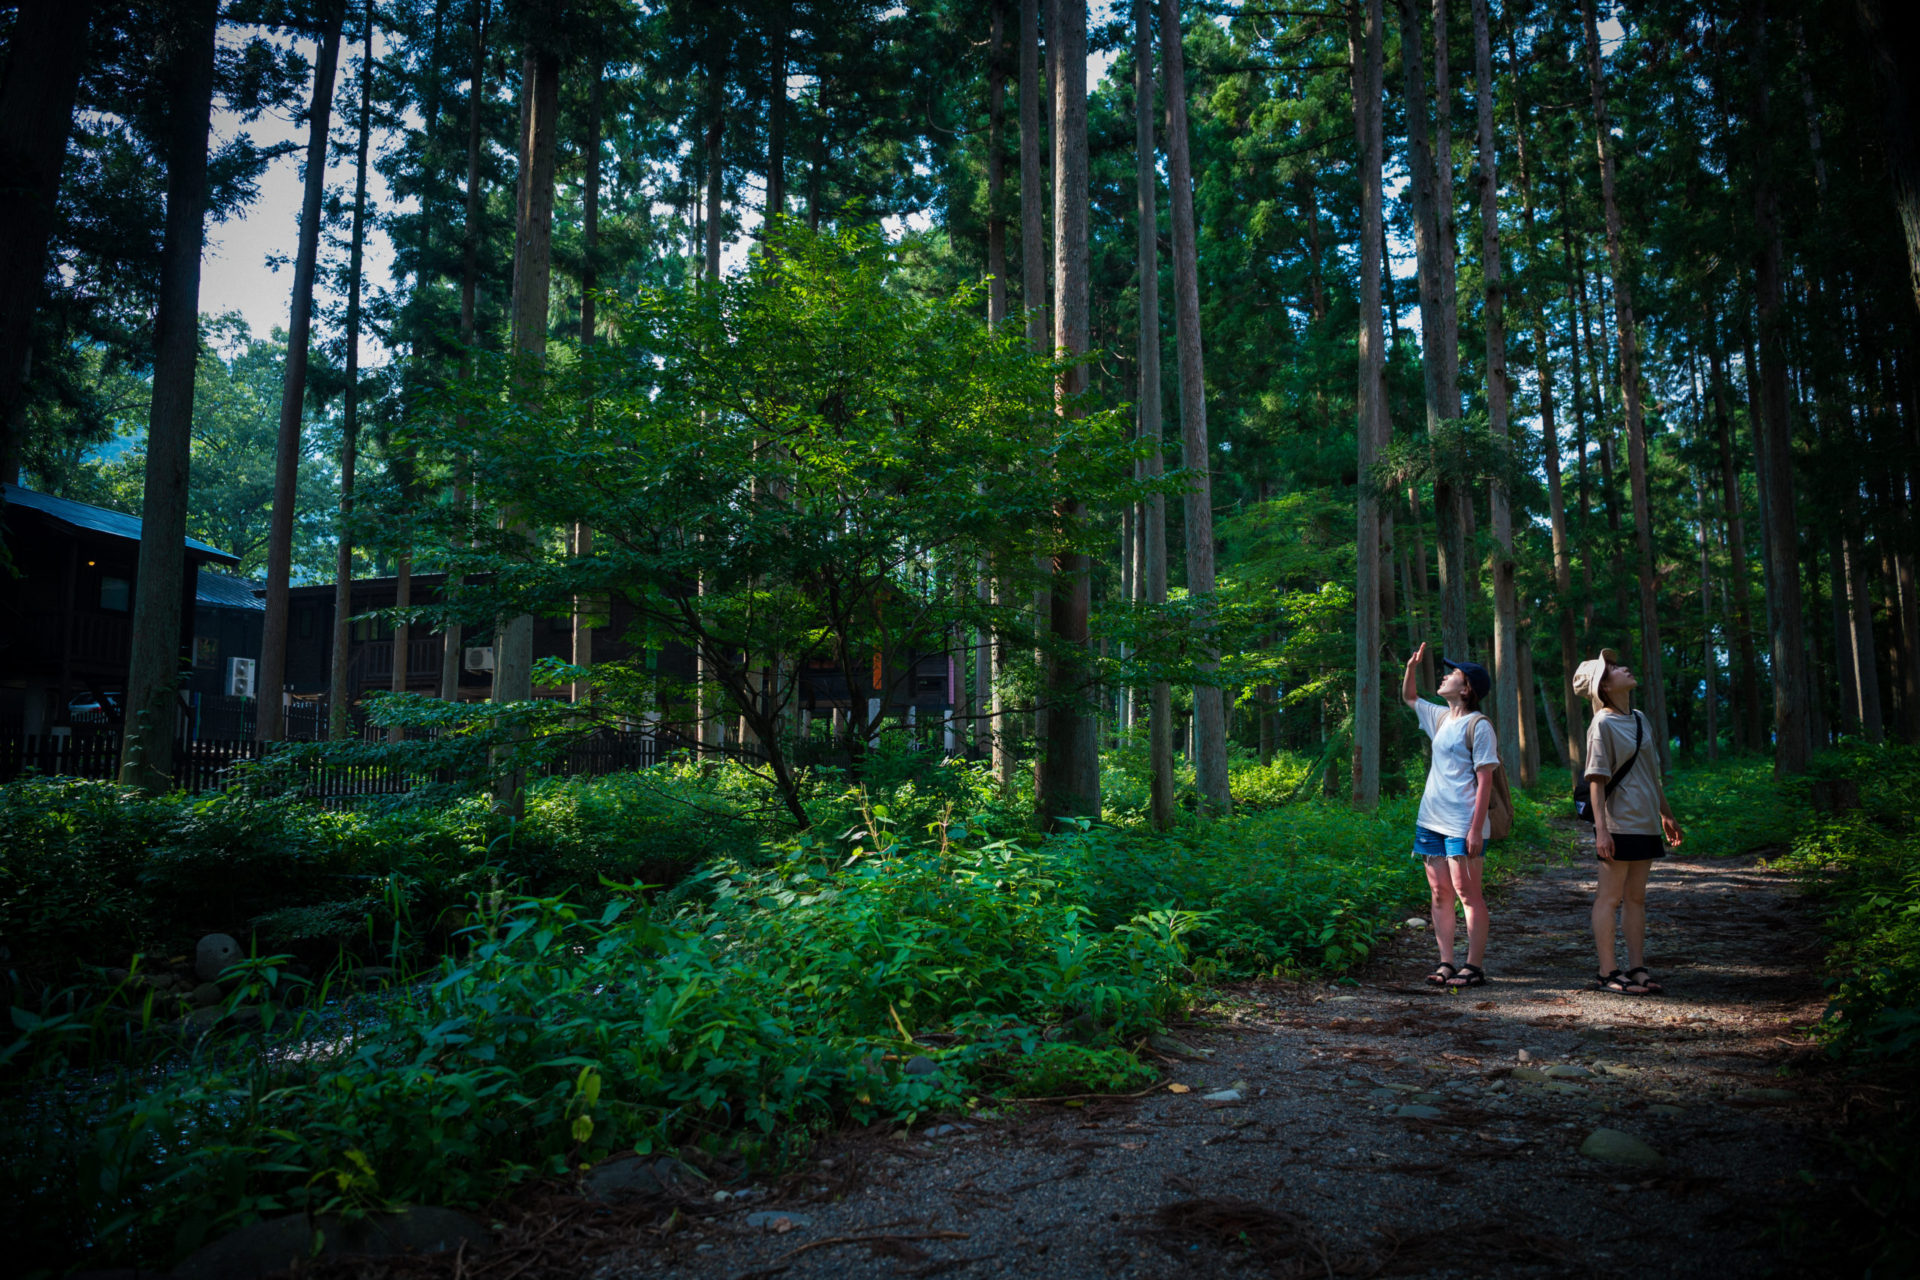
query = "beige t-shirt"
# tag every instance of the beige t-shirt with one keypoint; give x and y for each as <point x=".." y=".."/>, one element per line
<point x="1634" y="807"/>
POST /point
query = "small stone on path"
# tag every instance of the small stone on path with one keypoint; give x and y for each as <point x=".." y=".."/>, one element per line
<point x="1610" y="1146"/>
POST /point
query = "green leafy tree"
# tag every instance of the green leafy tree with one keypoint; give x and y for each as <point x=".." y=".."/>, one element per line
<point x="780" y="471"/>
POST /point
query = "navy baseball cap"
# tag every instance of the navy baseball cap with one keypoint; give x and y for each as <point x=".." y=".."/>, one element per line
<point x="1477" y="678"/>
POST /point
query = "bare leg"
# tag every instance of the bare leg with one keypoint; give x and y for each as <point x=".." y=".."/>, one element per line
<point x="1440" y="887"/>
<point x="1613" y="879"/>
<point x="1465" y="876"/>
<point x="1633" y="913"/>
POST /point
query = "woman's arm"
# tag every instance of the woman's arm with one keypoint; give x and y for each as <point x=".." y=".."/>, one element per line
<point x="1408" y="693"/>
<point x="1482" y="797"/>
<point x="1670" y="825"/>
<point x="1602" y="838"/>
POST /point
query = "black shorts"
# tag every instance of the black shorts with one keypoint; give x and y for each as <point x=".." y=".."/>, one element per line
<point x="1631" y="848"/>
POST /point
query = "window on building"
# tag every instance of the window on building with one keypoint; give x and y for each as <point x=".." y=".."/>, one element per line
<point x="206" y="652"/>
<point x="116" y="594"/>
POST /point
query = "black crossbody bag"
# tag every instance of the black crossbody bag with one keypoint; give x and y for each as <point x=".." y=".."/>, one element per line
<point x="1583" y="794"/>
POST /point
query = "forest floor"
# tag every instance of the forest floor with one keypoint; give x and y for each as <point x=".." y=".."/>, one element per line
<point x="1381" y="1129"/>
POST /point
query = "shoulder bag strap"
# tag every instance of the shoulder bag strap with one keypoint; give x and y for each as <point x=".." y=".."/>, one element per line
<point x="1620" y="774"/>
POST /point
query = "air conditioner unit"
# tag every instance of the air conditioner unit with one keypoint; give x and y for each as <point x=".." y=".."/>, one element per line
<point x="479" y="658"/>
<point x="240" y="677"/>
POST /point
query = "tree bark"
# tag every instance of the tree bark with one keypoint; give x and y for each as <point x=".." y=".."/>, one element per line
<point x="1209" y="711"/>
<point x="582" y="534"/>
<point x="1069" y="781"/>
<point x="1366" y="40"/>
<point x="270" y="720"/>
<point x="1792" y="743"/>
<point x="776" y="115"/>
<point x="1506" y="602"/>
<point x="153" y="671"/>
<point x="532" y="285"/>
<point x="1709" y="663"/>
<point x="996" y="164"/>
<point x="1866" y="658"/>
<point x="1652" y="681"/>
<point x="1571" y="752"/>
<point x="1453" y="505"/>
<point x="1744" y="711"/>
<point x="45" y="55"/>
<point x="1153" y="537"/>
<point x="983" y="711"/>
<point x="1033" y="264"/>
<point x="1889" y="28"/>
<point x="339" y="699"/>
<point x="452" y="655"/>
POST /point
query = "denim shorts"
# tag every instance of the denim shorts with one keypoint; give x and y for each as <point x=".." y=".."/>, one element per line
<point x="1431" y="844"/>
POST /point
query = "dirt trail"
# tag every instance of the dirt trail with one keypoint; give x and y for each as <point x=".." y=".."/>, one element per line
<point x="1384" y="1129"/>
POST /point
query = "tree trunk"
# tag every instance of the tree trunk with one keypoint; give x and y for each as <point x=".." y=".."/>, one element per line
<point x="1033" y="264"/>
<point x="340" y="698"/>
<point x="996" y="165"/>
<point x="451" y="652"/>
<point x="270" y="721"/>
<point x="1366" y="40"/>
<point x="1889" y="28"/>
<point x="532" y="284"/>
<point x="1153" y="561"/>
<point x="582" y="536"/>
<point x="1069" y="781"/>
<point x="1791" y="692"/>
<point x="1550" y="449"/>
<point x="1453" y="504"/>
<point x="146" y="743"/>
<point x="776" y="115"/>
<point x="1709" y="663"/>
<point x="985" y="715"/>
<point x="1866" y="670"/>
<point x="1652" y="681"/>
<point x="1744" y="706"/>
<point x="1506" y="602"/>
<point x="1209" y="712"/>
<point x="45" y="55"/>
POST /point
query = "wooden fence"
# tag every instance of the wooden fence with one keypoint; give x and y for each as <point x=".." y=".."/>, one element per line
<point x="207" y="764"/>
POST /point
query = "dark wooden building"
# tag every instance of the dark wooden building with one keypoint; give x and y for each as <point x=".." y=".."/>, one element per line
<point x="66" y="613"/>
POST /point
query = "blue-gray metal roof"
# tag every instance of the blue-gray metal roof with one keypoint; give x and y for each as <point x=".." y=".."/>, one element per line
<point x="223" y="591"/>
<point x="87" y="518"/>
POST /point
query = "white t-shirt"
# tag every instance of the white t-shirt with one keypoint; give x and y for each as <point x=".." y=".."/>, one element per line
<point x="1453" y="781"/>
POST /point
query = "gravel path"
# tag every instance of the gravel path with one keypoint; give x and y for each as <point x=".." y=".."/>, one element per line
<point x="1382" y="1129"/>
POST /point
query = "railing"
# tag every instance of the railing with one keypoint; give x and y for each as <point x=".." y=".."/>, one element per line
<point x="207" y="764"/>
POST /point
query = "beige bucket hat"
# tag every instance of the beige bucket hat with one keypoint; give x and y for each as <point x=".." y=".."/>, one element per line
<point x="1587" y="676"/>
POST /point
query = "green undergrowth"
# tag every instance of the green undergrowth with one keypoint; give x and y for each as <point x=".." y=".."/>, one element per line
<point x="1849" y="831"/>
<point x="780" y="988"/>
<point x="782" y="1000"/>
<point x="1732" y="807"/>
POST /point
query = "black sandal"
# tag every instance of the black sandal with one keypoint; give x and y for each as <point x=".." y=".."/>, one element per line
<point x="1441" y="975"/>
<point x="1470" y="975"/>
<point x="1618" y="983"/>
<point x="1645" y="980"/>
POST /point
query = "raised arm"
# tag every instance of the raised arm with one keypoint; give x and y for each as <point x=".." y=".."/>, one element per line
<point x="1409" y="694"/>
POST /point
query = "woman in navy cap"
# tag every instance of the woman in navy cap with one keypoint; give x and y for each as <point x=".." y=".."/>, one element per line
<point x="1451" y="833"/>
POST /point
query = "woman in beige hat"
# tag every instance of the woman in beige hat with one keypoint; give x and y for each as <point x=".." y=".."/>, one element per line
<point x="1630" y="817"/>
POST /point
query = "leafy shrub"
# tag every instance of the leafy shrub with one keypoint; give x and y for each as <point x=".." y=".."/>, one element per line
<point x="1732" y="807"/>
<point x="71" y="853"/>
<point x="1268" y="786"/>
<point x="793" y="1000"/>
